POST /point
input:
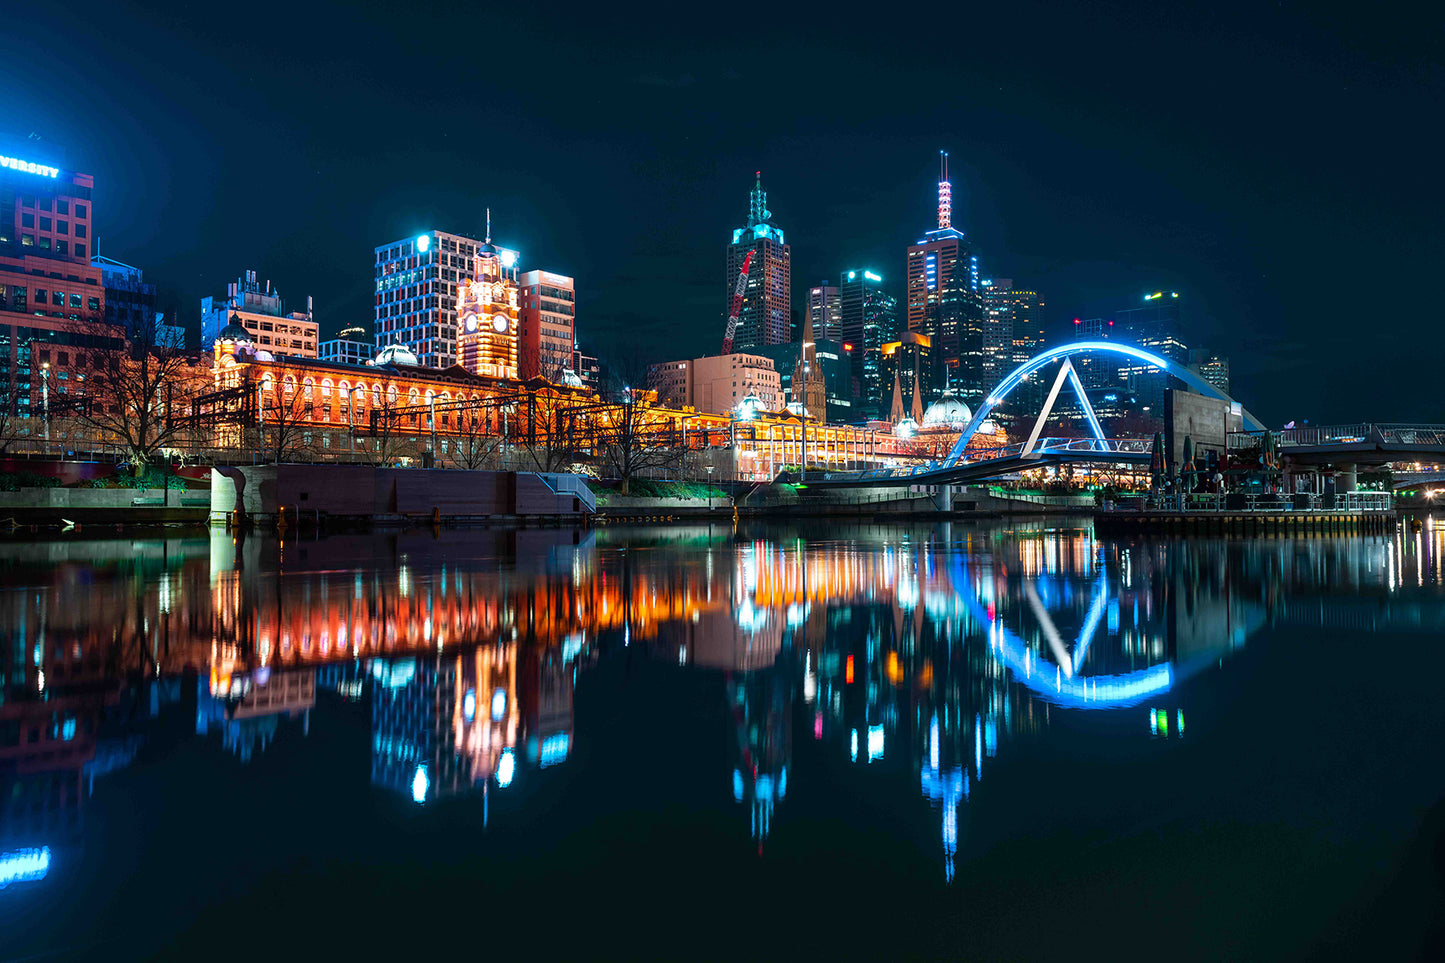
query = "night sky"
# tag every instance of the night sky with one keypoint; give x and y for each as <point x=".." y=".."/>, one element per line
<point x="1278" y="165"/>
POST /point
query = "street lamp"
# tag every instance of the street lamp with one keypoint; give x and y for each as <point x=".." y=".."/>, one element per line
<point x="350" y="420"/>
<point x="709" y="487"/>
<point x="45" y="396"/>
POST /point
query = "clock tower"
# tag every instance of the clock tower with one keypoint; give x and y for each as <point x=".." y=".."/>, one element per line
<point x="487" y="313"/>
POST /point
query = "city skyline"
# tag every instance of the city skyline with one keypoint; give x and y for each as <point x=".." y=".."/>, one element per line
<point x="1086" y="186"/>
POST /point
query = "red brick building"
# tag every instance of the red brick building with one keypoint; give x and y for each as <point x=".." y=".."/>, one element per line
<point x="49" y="291"/>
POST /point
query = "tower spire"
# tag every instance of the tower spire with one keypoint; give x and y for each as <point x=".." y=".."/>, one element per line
<point x="945" y="193"/>
<point x="489" y="226"/>
<point x="758" y="212"/>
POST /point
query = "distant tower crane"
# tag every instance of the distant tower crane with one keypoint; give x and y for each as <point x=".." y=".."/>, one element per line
<point x="737" y="308"/>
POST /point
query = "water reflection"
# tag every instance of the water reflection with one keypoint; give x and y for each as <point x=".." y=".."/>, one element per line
<point x="929" y="648"/>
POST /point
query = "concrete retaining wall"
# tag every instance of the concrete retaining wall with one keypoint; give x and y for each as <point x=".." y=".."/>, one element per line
<point x="34" y="498"/>
<point x="364" y="491"/>
<point x="611" y="502"/>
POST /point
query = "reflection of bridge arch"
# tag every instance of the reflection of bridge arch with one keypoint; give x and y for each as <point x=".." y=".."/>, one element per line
<point x="1004" y="387"/>
<point x="1052" y="681"/>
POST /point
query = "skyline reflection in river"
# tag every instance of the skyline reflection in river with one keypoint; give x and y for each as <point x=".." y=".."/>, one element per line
<point x="929" y="653"/>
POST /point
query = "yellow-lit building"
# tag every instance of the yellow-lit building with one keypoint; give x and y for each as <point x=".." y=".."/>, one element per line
<point x="487" y="326"/>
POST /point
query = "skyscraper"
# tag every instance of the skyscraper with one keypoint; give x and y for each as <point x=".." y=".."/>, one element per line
<point x="547" y="322"/>
<point x="767" y="301"/>
<point x="823" y="312"/>
<point x="1157" y="326"/>
<point x="944" y="300"/>
<point x="419" y="282"/>
<point x="868" y="316"/>
<point x="1013" y="332"/>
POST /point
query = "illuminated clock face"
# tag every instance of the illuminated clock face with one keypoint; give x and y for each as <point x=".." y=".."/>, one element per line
<point x="472" y="322"/>
<point x="499" y="323"/>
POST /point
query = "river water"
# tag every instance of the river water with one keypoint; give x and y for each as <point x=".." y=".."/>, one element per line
<point x="994" y="740"/>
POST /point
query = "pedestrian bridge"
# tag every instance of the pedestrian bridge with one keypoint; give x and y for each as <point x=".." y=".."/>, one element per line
<point x="985" y="464"/>
<point x="961" y="465"/>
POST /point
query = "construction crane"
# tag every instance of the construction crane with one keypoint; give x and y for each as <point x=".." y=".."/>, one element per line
<point x="737" y="308"/>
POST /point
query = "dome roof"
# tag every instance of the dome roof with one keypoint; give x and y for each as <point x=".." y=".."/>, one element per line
<point x="397" y="354"/>
<point x="234" y="331"/>
<point x="947" y="412"/>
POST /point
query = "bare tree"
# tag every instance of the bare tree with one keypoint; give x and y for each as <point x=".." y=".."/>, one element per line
<point x="137" y="393"/>
<point x="474" y="444"/>
<point x="391" y="434"/>
<point x="286" y="421"/>
<point x="547" y="422"/>
<point x="631" y="437"/>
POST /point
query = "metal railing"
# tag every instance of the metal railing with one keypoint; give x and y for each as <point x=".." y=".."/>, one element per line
<point x="1364" y="433"/>
<point x="1204" y="502"/>
<point x="574" y="485"/>
<point x="1043" y="447"/>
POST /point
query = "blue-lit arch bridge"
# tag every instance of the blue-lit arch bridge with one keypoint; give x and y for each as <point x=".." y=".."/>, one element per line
<point x="962" y="466"/>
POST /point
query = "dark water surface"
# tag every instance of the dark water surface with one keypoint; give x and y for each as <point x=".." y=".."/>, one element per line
<point x="1008" y="741"/>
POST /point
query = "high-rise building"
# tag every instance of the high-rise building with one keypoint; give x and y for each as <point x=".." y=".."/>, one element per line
<point x="130" y="303"/>
<point x="868" y="316"/>
<point x="1012" y="333"/>
<point x="261" y="311"/>
<point x="768" y="298"/>
<point x="419" y="283"/>
<point x="823" y="312"/>
<point x="49" y="290"/>
<point x="944" y="299"/>
<point x="350" y="346"/>
<point x="1156" y="327"/>
<point x="487" y="309"/>
<point x="1213" y="368"/>
<point x="546" y="325"/>
<point x="907" y="362"/>
<point x="1028" y="334"/>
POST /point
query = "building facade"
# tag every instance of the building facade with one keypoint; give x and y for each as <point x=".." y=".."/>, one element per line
<point x="130" y="303"/>
<point x="51" y="296"/>
<point x="1213" y="368"/>
<point x="824" y="312"/>
<point x="1013" y="332"/>
<point x="261" y="310"/>
<point x="906" y="362"/>
<point x="766" y="316"/>
<point x="1157" y="326"/>
<point x="716" y="384"/>
<point x="944" y="298"/>
<point x="350" y="346"/>
<point x="868" y="316"/>
<point x="420" y="282"/>
<point x="546" y="325"/>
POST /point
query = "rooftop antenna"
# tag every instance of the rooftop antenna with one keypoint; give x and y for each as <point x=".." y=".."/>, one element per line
<point x="489" y="225"/>
<point x="945" y="193"/>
